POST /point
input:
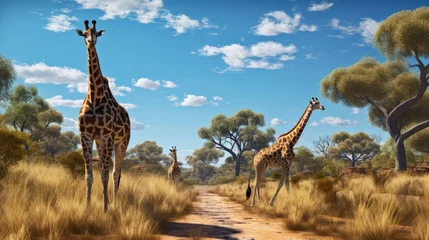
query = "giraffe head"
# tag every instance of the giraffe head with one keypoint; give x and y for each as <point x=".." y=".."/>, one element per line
<point x="90" y="34"/>
<point x="173" y="150"/>
<point x="315" y="104"/>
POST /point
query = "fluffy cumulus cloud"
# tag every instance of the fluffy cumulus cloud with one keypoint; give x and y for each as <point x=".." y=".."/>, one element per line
<point x="147" y="83"/>
<point x="314" y="123"/>
<point x="69" y="123"/>
<point x="172" y="98"/>
<point x="276" y="121"/>
<point x="76" y="80"/>
<point x="145" y="11"/>
<point x="193" y="101"/>
<point x="61" y="22"/>
<point x="278" y="22"/>
<point x="136" y="125"/>
<point x="319" y="7"/>
<point x="58" y="100"/>
<point x="366" y="29"/>
<point x="336" y="121"/>
<point x="128" y="105"/>
<point x="259" y="55"/>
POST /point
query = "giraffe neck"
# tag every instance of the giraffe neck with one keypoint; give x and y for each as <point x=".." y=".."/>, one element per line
<point x="293" y="135"/>
<point x="174" y="159"/>
<point x="95" y="78"/>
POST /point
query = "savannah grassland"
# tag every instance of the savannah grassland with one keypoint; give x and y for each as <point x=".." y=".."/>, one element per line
<point x="365" y="208"/>
<point x="39" y="200"/>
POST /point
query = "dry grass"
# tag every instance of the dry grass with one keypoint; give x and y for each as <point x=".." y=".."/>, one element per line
<point x="39" y="200"/>
<point x="368" y="211"/>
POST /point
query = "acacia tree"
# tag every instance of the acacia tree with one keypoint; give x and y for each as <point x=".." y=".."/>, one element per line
<point x="148" y="152"/>
<point x="355" y="147"/>
<point x="7" y="78"/>
<point x="202" y="159"/>
<point x="397" y="99"/>
<point x="238" y="134"/>
<point x="304" y="159"/>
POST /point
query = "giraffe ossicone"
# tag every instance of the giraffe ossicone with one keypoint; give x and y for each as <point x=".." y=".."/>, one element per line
<point x="174" y="171"/>
<point x="280" y="154"/>
<point x="101" y="119"/>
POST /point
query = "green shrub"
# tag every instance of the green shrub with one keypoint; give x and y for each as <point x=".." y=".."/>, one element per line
<point x="295" y="179"/>
<point x="11" y="148"/>
<point x="73" y="161"/>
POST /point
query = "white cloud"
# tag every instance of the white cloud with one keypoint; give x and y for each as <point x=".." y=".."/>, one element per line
<point x="58" y="100"/>
<point x="310" y="56"/>
<point x="339" y="36"/>
<point x="356" y="110"/>
<point x="276" y="121"/>
<point x="69" y="123"/>
<point x="278" y="22"/>
<point x="60" y="23"/>
<point x="286" y="58"/>
<point x="135" y="125"/>
<point x="366" y="29"/>
<point x="147" y="83"/>
<point x="217" y="98"/>
<point x="194" y="101"/>
<point x="128" y="105"/>
<point x="237" y="56"/>
<point x="65" y="10"/>
<point x="74" y="78"/>
<point x="323" y="6"/>
<point x="336" y="121"/>
<point x="169" y="84"/>
<point x="307" y="28"/>
<point x="314" y="123"/>
<point x="172" y="98"/>
<point x="182" y="23"/>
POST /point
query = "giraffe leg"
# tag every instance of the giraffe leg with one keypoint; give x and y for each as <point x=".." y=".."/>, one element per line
<point x="259" y="195"/>
<point x="278" y="188"/>
<point x="87" y="144"/>
<point x="106" y="147"/>
<point x="256" y="186"/>
<point x="287" y="181"/>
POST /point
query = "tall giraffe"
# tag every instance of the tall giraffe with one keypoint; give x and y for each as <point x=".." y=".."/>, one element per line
<point x="101" y="119"/>
<point x="174" y="172"/>
<point x="280" y="154"/>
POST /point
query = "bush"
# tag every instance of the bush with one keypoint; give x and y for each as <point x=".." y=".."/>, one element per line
<point x="74" y="162"/>
<point x="11" y="148"/>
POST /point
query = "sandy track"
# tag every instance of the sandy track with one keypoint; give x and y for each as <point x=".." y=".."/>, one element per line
<point x="216" y="217"/>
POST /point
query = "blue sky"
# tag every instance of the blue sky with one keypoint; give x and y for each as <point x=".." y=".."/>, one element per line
<point x="177" y="64"/>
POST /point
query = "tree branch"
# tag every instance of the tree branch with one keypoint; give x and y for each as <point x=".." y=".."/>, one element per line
<point x="415" y="65"/>
<point x="378" y="106"/>
<point x="413" y="130"/>
<point x="416" y="57"/>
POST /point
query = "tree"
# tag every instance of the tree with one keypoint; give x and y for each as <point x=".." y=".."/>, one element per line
<point x="7" y="78"/>
<point x="11" y="148"/>
<point x="148" y="152"/>
<point x="52" y="141"/>
<point x="386" y="157"/>
<point x="321" y="146"/>
<point x="201" y="161"/>
<point x="354" y="148"/>
<point x="238" y="134"/>
<point x="397" y="97"/>
<point x="304" y="159"/>
<point x="420" y="141"/>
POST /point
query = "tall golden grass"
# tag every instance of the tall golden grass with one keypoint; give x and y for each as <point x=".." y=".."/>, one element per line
<point x="367" y="211"/>
<point x="41" y="200"/>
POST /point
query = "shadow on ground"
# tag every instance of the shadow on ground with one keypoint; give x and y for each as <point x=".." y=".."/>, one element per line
<point x="187" y="230"/>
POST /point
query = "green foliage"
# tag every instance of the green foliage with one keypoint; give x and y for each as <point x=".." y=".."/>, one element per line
<point x="386" y="157"/>
<point x="238" y="134"/>
<point x="332" y="167"/>
<point x="354" y="148"/>
<point x="7" y="78"/>
<point x="52" y="141"/>
<point x="74" y="162"/>
<point x="304" y="159"/>
<point x="148" y="152"/>
<point x="11" y="148"/>
<point x="420" y="141"/>
<point x="322" y="146"/>
<point x="404" y="32"/>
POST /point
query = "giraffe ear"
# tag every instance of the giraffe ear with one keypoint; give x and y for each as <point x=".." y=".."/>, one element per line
<point x="101" y="32"/>
<point x="79" y="32"/>
<point x="311" y="102"/>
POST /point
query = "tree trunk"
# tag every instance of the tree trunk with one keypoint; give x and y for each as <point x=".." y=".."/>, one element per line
<point x="401" y="157"/>
<point x="237" y="164"/>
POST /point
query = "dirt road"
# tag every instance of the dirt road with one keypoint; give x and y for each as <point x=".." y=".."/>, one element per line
<point x="216" y="217"/>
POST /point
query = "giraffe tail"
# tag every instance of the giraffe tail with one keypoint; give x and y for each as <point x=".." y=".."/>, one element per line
<point x="249" y="190"/>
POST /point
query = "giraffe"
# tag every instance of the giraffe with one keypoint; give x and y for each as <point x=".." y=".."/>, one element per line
<point x="174" y="172"/>
<point x="280" y="154"/>
<point x="101" y="119"/>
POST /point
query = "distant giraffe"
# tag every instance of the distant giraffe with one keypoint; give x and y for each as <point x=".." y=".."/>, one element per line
<point x="174" y="172"/>
<point x="280" y="154"/>
<point x="102" y="119"/>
